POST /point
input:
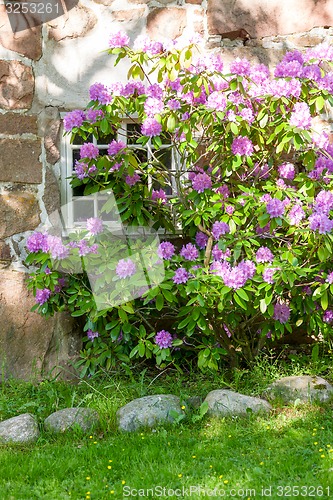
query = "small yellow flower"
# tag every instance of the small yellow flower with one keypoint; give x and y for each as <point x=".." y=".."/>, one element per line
<point x="193" y="456"/>
<point x="314" y="430"/>
<point x="210" y="466"/>
<point x="220" y="477"/>
<point x="88" y="478"/>
<point x="123" y="482"/>
<point x="226" y="481"/>
<point x="320" y="449"/>
<point x="316" y="442"/>
<point x="229" y="436"/>
<point x="112" y="492"/>
<point x="110" y="460"/>
<point x="95" y="442"/>
<point x="261" y="463"/>
<point x="109" y="467"/>
<point x="322" y="456"/>
<point x="322" y="427"/>
<point x="328" y="446"/>
<point x="88" y="497"/>
<point x="183" y="407"/>
<point x="90" y="437"/>
<point x="180" y="475"/>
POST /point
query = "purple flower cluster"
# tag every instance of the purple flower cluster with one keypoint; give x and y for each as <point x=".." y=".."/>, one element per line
<point x="242" y="146"/>
<point x="118" y="39"/>
<point x="281" y="312"/>
<point x="189" y="252"/>
<point x="94" y="225"/>
<point x="125" y="268"/>
<point x="42" y="296"/>
<point x="99" y="92"/>
<point x="219" y="229"/>
<point x="324" y="202"/>
<point x="301" y="117"/>
<point x="92" y="335"/>
<point x="166" y="250"/>
<point x="94" y="114"/>
<point x="151" y="127"/>
<point x="131" y="180"/>
<point x="328" y="316"/>
<point x="89" y="150"/>
<point x="163" y="339"/>
<point x="116" y="147"/>
<point x="83" y="170"/>
<point x="200" y="182"/>
<point x="240" y="67"/>
<point x="73" y="119"/>
<point x="219" y="254"/>
<point x="153" y="106"/>
<point x="201" y="239"/>
<point x="296" y="214"/>
<point x="287" y="171"/>
<point x="56" y="247"/>
<point x="217" y="101"/>
<point x="321" y="223"/>
<point x="275" y="208"/>
<point x="159" y="195"/>
<point x="37" y="242"/>
<point x="264" y="255"/>
<point x="268" y="274"/>
<point x="144" y="44"/>
<point x="234" y="277"/>
<point x="180" y="276"/>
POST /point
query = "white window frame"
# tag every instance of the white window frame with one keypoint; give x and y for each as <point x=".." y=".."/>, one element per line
<point x="67" y="168"/>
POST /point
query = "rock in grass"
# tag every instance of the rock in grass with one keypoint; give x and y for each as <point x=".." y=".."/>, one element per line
<point x="69" y="418"/>
<point x="148" y="411"/>
<point x="20" y="429"/>
<point x="305" y="389"/>
<point x="223" y="402"/>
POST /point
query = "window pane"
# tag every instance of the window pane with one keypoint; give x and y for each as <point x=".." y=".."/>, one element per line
<point x="106" y="139"/>
<point x="83" y="210"/>
<point x="79" y="140"/>
<point x="133" y="132"/>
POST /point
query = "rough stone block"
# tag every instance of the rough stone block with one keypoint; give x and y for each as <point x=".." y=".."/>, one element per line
<point x="5" y="253"/>
<point x="27" y="42"/>
<point x="19" y="212"/>
<point x="128" y="15"/>
<point x="80" y="21"/>
<point x="166" y="22"/>
<point x="51" y="197"/>
<point x="19" y="161"/>
<point x="16" y="85"/>
<point x="268" y="17"/>
<point x="14" y="123"/>
<point x="49" y="125"/>
<point x="29" y="343"/>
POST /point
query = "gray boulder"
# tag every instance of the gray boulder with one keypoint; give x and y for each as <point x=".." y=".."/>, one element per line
<point x="20" y="429"/>
<point x="148" y="411"/>
<point x="305" y="389"/>
<point x="223" y="402"/>
<point x="66" y="419"/>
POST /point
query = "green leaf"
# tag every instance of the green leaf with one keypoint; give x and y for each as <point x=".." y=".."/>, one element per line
<point x="242" y="294"/>
<point x="263" y="306"/>
<point x="324" y="300"/>
<point x="159" y="302"/>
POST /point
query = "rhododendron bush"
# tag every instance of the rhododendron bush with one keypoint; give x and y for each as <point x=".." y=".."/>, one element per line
<point x="252" y="199"/>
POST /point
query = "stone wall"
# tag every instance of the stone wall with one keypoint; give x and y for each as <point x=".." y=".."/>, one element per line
<point x="47" y="69"/>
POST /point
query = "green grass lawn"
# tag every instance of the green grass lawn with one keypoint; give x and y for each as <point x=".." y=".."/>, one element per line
<point x="251" y="457"/>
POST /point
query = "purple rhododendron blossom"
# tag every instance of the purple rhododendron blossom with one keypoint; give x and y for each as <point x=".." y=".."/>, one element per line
<point x="248" y="268"/>
<point x="218" y="254"/>
<point x="296" y="214"/>
<point x="264" y="255"/>
<point x="200" y="182"/>
<point x="153" y="106"/>
<point x="240" y="67"/>
<point x="201" y="239"/>
<point x="328" y="316"/>
<point x="281" y="312"/>
<point x="173" y="104"/>
<point x="131" y="180"/>
<point x="89" y="150"/>
<point x="329" y="278"/>
<point x="275" y="208"/>
<point x="163" y="339"/>
<point x="83" y="170"/>
<point x="98" y="92"/>
<point x="242" y="146"/>
<point x="166" y="250"/>
<point x="217" y="101"/>
<point x="268" y="274"/>
<point x="145" y="44"/>
<point x="320" y="223"/>
<point x="36" y="242"/>
<point x="151" y="127"/>
<point x="94" y="225"/>
<point x="324" y="202"/>
<point x="56" y="247"/>
<point x="42" y="296"/>
<point x="73" y="119"/>
<point x="118" y="39"/>
<point x="219" y="229"/>
<point x="287" y="171"/>
<point x="180" y="276"/>
<point x="189" y="252"/>
<point x="159" y="195"/>
<point x="116" y="147"/>
<point x="92" y="335"/>
<point x="125" y="268"/>
<point x="94" y="114"/>
<point x="301" y="117"/>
